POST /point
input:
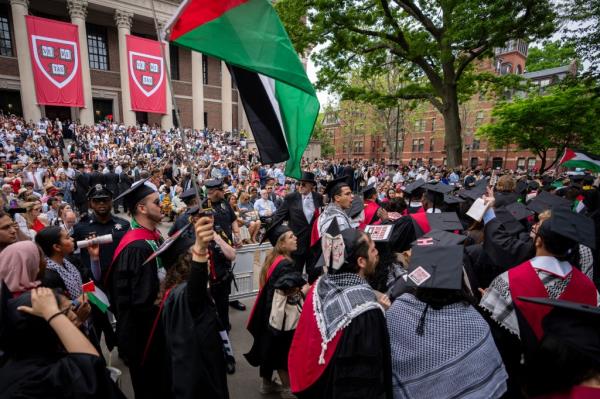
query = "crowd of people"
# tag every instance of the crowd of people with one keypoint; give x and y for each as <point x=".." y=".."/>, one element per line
<point x="381" y="280"/>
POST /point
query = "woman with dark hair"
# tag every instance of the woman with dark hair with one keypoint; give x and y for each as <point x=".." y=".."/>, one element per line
<point x="441" y="346"/>
<point x="46" y="355"/>
<point x="279" y="280"/>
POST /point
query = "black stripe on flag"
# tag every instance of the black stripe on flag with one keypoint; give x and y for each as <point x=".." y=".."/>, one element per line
<point x="262" y="118"/>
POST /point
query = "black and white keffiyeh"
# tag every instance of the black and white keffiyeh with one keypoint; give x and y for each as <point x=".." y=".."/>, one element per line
<point x="337" y="299"/>
<point x="330" y="212"/>
<point x="69" y="275"/>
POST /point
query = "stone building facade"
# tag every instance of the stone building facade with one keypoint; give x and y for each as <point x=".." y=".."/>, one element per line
<point x="204" y="93"/>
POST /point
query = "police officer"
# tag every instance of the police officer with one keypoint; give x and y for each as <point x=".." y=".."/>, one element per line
<point x="101" y="222"/>
<point x="221" y="274"/>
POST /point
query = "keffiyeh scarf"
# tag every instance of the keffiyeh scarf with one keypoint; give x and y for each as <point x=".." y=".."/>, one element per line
<point x="456" y="356"/>
<point x="333" y="211"/>
<point x="69" y="275"/>
<point x="339" y="298"/>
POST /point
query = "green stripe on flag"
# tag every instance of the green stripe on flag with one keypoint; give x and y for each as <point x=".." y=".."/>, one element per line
<point x="99" y="299"/>
<point x="582" y="164"/>
<point x="252" y="37"/>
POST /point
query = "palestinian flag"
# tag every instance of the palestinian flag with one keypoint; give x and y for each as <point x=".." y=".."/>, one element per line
<point x="279" y="100"/>
<point x="580" y="159"/>
<point x="96" y="296"/>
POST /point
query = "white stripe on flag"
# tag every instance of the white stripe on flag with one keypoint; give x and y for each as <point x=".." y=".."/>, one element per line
<point x="269" y="85"/>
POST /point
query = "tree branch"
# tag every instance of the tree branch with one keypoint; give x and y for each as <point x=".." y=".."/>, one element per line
<point x="467" y="60"/>
<point x="416" y="13"/>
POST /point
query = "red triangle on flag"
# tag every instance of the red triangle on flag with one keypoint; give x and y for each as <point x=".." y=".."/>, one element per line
<point x="89" y="286"/>
<point x="569" y="154"/>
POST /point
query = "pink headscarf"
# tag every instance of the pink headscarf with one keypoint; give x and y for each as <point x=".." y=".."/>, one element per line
<point x="19" y="266"/>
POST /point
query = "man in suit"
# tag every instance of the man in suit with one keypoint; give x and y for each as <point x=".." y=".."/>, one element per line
<point x="301" y="209"/>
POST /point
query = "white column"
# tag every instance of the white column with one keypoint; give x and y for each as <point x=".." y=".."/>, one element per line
<point x="197" y="91"/>
<point x="123" y="21"/>
<point x="78" y="12"/>
<point x="31" y="110"/>
<point x="166" y="121"/>
<point x="226" y="107"/>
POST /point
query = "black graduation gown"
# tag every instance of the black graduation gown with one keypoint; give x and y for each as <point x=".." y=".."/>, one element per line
<point x="361" y="366"/>
<point x="133" y="291"/>
<point x="68" y="376"/>
<point x="506" y="246"/>
<point x="195" y="360"/>
<point x="270" y="348"/>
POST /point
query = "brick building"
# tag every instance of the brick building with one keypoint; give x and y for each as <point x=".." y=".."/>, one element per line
<point x="204" y="92"/>
<point x="423" y="128"/>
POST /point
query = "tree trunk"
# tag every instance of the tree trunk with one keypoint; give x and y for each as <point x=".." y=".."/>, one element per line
<point x="452" y="127"/>
<point x="543" y="163"/>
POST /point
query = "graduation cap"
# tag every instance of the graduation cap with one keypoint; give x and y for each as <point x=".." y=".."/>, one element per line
<point x="332" y="185"/>
<point x="574" y="324"/>
<point x="574" y="226"/>
<point x="544" y="201"/>
<point x="414" y="186"/>
<point x="356" y="207"/>
<point x="473" y="193"/>
<point x="338" y="246"/>
<point x="436" y="266"/>
<point x="518" y="210"/>
<point x="439" y="188"/>
<point x="521" y="187"/>
<point x="452" y="199"/>
<point x="177" y="244"/>
<point x="275" y="230"/>
<point x="447" y="221"/>
<point x="369" y="191"/>
<point x="137" y="192"/>
<point x="439" y="237"/>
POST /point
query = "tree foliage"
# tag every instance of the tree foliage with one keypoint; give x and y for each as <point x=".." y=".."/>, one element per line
<point x="584" y="31"/>
<point x="434" y="43"/>
<point x="550" y="55"/>
<point x="563" y="116"/>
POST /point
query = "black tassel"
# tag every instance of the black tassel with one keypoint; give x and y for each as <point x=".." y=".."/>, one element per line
<point x="421" y="326"/>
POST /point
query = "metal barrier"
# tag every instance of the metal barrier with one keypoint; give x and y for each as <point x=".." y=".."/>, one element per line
<point x="248" y="262"/>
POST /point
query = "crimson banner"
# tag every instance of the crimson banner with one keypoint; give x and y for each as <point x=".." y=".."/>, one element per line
<point x="146" y="75"/>
<point x="56" y="62"/>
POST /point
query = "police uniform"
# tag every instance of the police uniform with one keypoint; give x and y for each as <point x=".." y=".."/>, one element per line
<point x="221" y="274"/>
<point x="115" y="226"/>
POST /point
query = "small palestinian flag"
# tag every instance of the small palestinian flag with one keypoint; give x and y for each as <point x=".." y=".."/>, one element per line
<point x="96" y="296"/>
<point x="279" y="100"/>
<point x="580" y="159"/>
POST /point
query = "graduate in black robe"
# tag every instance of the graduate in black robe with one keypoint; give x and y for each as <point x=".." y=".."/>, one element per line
<point x="341" y="346"/>
<point x="39" y="364"/>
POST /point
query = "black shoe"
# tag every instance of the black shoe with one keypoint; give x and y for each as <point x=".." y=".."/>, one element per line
<point x="237" y="305"/>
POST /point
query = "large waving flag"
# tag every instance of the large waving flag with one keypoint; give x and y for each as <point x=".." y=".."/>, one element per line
<point x="279" y="100"/>
<point x="580" y="159"/>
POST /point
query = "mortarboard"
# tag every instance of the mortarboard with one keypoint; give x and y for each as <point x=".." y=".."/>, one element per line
<point x="521" y="187"/>
<point x="473" y="193"/>
<point x="518" y="210"/>
<point x="414" y="186"/>
<point x="178" y="243"/>
<point x="574" y="324"/>
<point x="440" y="237"/>
<point x="439" y="188"/>
<point x="369" y="191"/>
<point x="137" y="192"/>
<point x="275" y="230"/>
<point x="574" y="226"/>
<point x="436" y="266"/>
<point x="452" y="199"/>
<point x="544" y="201"/>
<point x="447" y="221"/>
<point x="331" y="186"/>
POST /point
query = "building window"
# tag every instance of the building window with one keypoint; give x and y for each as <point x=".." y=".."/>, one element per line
<point x="415" y="145"/>
<point x="419" y="125"/>
<point x="531" y="163"/>
<point x="431" y="144"/>
<point x="479" y="118"/>
<point x="475" y="145"/>
<point x="174" y="61"/>
<point x="6" y="46"/>
<point x="432" y="124"/>
<point x="474" y="162"/>
<point x="521" y="163"/>
<point x="204" y="69"/>
<point x="545" y="82"/>
<point x="497" y="162"/>
<point x="421" y="145"/>
<point x="206" y="119"/>
<point x="358" y="147"/>
<point x="97" y="47"/>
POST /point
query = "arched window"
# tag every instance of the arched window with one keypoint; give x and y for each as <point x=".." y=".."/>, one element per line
<point x="519" y="70"/>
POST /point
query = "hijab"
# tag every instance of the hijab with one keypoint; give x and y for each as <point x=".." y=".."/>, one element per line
<point x="20" y="265"/>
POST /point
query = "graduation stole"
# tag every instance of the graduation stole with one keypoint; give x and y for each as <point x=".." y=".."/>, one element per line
<point x="135" y="225"/>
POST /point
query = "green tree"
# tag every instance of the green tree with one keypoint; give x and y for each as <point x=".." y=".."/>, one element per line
<point x="319" y="133"/>
<point x="552" y="54"/>
<point x="559" y="118"/>
<point x="435" y="41"/>
<point x="584" y="31"/>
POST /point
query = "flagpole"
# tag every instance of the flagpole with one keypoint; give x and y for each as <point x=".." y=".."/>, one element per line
<point x="174" y="103"/>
